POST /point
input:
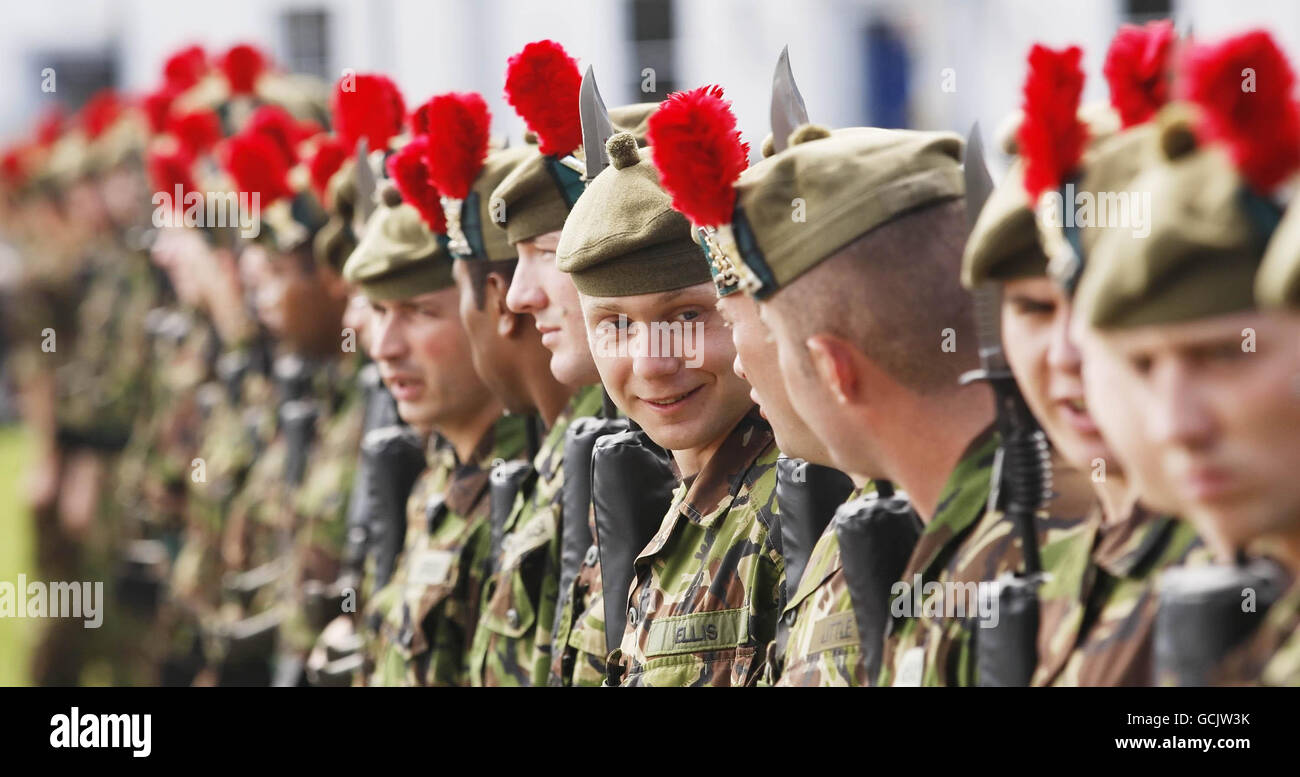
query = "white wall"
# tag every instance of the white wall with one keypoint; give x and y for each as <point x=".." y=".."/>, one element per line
<point x="437" y="45"/>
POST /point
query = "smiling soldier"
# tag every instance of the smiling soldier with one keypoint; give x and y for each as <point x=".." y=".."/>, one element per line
<point x="705" y="592"/>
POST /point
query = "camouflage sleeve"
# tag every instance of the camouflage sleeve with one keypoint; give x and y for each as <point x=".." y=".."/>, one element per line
<point x="707" y="593"/>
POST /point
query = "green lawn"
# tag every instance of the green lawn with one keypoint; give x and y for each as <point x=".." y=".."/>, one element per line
<point x="16" y="636"/>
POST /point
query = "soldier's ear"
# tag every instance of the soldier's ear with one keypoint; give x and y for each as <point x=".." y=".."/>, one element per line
<point x="834" y="364"/>
<point x="509" y="323"/>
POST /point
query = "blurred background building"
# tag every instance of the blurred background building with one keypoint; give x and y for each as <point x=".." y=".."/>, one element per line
<point x="934" y="64"/>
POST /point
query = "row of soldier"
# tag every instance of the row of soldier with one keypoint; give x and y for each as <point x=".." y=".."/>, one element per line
<point x="614" y="406"/>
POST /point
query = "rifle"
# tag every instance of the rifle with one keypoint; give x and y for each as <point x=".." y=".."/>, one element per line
<point x="633" y="483"/>
<point x="1006" y="648"/>
<point x="576" y="539"/>
<point x="1201" y="618"/>
<point x="507" y="480"/>
<point x="392" y="457"/>
<point x="378" y="403"/>
<point x="807" y="496"/>
<point x="232" y="367"/>
<point x="876" y="534"/>
<point x="298" y="419"/>
<point x="293" y="377"/>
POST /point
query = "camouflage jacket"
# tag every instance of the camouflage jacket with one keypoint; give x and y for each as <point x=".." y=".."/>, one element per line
<point x="230" y="439"/>
<point x="428" y="611"/>
<point x="100" y="388"/>
<point x="581" y="662"/>
<point x="513" y="643"/>
<point x="379" y="637"/>
<point x="1098" y="607"/>
<point x="319" y="508"/>
<point x="158" y="464"/>
<point x="258" y="534"/>
<point x="578" y="646"/>
<point x="823" y="648"/>
<point x="1272" y="655"/>
<point x="961" y="543"/>
<point x="706" y="594"/>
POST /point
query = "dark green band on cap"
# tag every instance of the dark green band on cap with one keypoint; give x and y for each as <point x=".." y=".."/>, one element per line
<point x="752" y="255"/>
<point x="659" y="268"/>
<point x="1029" y="262"/>
<point x="1277" y="285"/>
<point x="472" y="225"/>
<point x="567" y="180"/>
<point x="726" y="282"/>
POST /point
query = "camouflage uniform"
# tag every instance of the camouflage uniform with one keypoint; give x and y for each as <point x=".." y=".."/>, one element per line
<point x="428" y="611"/>
<point x="424" y="617"/>
<point x="1098" y="608"/>
<point x="258" y="535"/>
<point x="157" y="464"/>
<point x="707" y="592"/>
<point x="100" y="392"/>
<point x="823" y="647"/>
<point x="961" y="543"/>
<point x="319" y="508"/>
<point x="233" y="435"/>
<point x="581" y="660"/>
<point x="1272" y="655"/>
<point x="513" y="642"/>
<point x="49" y="293"/>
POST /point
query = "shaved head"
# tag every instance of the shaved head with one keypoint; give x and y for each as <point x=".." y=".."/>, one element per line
<point x="896" y="294"/>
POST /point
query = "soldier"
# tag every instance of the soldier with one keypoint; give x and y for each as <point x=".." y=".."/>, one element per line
<point x="423" y="620"/>
<point x="535" y="208"/>
<point x="513" y="643"/>
<point x="226" y="420"/>
<point x="1272" y="655"/>
<point x="706" y="589"/>
<point x="301" y="304"/>
<point x="236" y="405"/>
<point x="319" y="504"/>
<point x="1187" y="354"/>
<point x="1108" y="564"/>
<point x="818" y="643"/>
<point x="86" y="282"/>
<point x="508" y="356"/>
<point x="877" y="218"/>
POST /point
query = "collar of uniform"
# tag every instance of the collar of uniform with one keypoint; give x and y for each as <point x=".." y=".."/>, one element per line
<point x="1064" y="596"/>
<point x="724" y="473"/>
<point x="1126" y="548"/>
<point x="962" y="502"/>
<point x="503" y="440"/>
